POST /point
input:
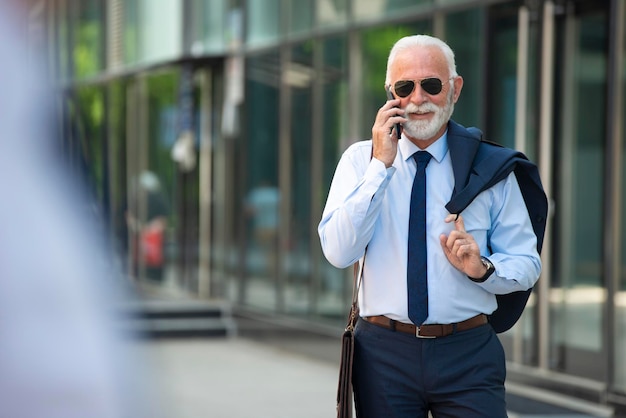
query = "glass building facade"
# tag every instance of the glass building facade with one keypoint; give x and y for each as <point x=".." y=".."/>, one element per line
<point x="210" y="130"/>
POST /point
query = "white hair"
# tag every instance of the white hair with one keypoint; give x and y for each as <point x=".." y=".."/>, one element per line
<point x="421" y="41"/>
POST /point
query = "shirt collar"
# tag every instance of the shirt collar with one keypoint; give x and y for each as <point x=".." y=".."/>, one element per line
<point x="437" y="149"/>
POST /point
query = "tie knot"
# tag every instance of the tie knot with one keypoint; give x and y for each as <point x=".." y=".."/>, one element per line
<point x="422" y="158"/>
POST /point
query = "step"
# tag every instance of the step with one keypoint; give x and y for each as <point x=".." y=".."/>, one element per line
<point x="178" y="318"/>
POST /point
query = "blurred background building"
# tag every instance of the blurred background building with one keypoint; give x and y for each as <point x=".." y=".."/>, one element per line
<point x="208" y="131"/>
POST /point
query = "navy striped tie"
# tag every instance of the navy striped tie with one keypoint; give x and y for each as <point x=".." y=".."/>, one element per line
<point x="417" y="284"/>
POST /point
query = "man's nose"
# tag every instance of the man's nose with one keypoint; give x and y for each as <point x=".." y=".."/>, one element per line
<point x="418" y="95"/>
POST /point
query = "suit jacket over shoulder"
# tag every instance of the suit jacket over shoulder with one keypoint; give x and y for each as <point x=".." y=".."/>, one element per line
<point x="478" y="165"/>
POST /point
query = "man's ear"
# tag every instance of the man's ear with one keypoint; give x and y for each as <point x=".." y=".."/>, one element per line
<point x="458" y="86"/>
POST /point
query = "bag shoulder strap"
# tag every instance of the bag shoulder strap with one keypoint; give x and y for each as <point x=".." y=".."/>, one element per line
<point x="357" y="274"/>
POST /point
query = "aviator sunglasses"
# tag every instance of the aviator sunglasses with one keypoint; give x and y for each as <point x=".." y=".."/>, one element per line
<point x="432" y="86"/>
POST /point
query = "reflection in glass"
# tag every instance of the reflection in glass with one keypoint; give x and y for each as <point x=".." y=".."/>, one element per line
<point x="620" y="299"/>
<point x="334" y="286"/>
<point x="208" y="26"/>
<point x="463" y="32"/>
<point x="331" y="12"/>
<point x="578" y="294"/>
<point x="150" y="216"/>
<point x="160" y="30"/>
<point x="374" y="9"/>
<point x="298" y="284"/>
<point x="263" y="21"/>
<point x="301" y="20"/>
<point x="262" y="205"/>
<point x="260" y="195"/>
<point x="499" y="124"/>
<point x="88" y="37"/>
<point x="89" y="115"/>
<point x="117" y="169"/>
<point x="147" y="219"/>
<point x="222" y="227"/>
<point x="61" y="45"/>
<point x="130" y="32"/>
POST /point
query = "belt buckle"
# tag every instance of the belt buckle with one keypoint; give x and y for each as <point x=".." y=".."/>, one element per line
<point x="417" y="333"/>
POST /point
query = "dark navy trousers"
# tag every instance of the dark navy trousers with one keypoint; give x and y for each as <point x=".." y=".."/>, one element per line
<point x="397" y="375"/>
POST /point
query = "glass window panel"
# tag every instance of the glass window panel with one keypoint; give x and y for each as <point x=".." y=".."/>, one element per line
<point x="502" y="84"/>
<point x="160" y="30"/>
<point x="620" y="300"/>
<point x="331" y="12"/>
<point x="223" y="199"/>
<point x="209" y="22"/>
<point x="130" y="32"/>
<point x="463" y="32"/>
<point x="578" y="293"/>
<point x="301" y="16"/>
<point x="375" y="9"/>
<point x="233" y="32"/>
<point x="152" y="184"/>
<point x="62" y="41"/>
<point x="117" y="170"/>
<point x="263" y="22"/>
<point x="335" y="285"/>
<point x="187" y="189"/>
<point x="533" y="94"/>
<point x="300" y="83"/>
<point x="88" y="33"/>
<point x="451" y="2"/>
<point x="375" y="44"/>
<point x="261" y="194"/>
<point x="499" y="127"/>
<point x="89" y="119"/>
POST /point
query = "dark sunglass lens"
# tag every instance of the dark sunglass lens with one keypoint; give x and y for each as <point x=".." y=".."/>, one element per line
<point x="432" y="85"/>
<point x="404" y="87"/>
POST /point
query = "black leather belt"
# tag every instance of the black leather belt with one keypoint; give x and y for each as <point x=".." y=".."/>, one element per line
<point x="430" y="330"/>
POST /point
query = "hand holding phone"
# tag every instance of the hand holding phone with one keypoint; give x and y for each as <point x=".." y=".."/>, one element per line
<point x="390" y="97"/>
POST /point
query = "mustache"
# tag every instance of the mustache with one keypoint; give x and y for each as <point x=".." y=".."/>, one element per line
<point x="424" y="108"/>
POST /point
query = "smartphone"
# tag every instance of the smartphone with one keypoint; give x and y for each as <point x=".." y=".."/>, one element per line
<point x="390" y="97"/>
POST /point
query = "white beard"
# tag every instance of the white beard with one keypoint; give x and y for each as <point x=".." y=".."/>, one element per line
<point x="426" y="129"/>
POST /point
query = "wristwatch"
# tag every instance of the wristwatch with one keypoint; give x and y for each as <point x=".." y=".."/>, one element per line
<point x="490" y="269"/>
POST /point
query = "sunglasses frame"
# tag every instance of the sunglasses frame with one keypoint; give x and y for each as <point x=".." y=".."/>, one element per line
<point x="421" y="83"/>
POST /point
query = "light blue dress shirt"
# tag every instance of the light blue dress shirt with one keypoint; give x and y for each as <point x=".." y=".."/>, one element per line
<point x="368" y="206"/>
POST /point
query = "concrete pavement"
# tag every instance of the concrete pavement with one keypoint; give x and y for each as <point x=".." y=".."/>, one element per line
<point x="237" y="377"/>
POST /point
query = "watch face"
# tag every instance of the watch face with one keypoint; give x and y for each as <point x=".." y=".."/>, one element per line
<point x="490" y="267"/>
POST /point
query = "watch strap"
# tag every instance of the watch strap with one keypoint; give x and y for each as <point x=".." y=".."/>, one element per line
<point x="490" y="270"/>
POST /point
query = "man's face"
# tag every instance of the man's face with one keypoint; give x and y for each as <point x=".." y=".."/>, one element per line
<point x="426" y="128"/>
<point x="427" y="113"/>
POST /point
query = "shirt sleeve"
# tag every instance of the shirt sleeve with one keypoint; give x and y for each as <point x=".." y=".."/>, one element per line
<point x="353" y="205"/>
<point x="512" y="243"/>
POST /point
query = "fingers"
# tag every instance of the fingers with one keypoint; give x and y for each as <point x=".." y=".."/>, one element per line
<point x="459" y="252"/>
<point x="458" y="243"/>
<point x="459" y="224"/>
<point x="392" y="103"/>
<point x="388" y="116"/>
<point x="460" y="247"/>
<point x="463" y="247"/>
<point x="385" y="140"/>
